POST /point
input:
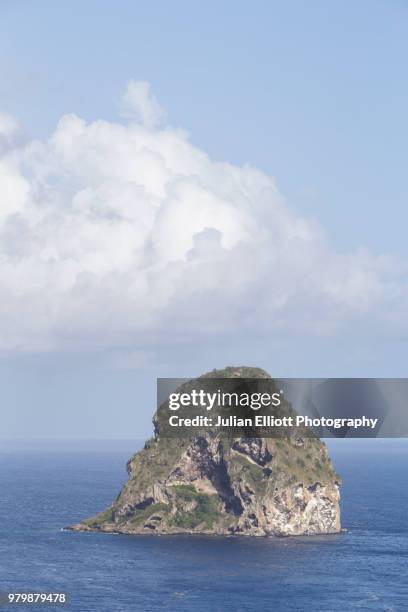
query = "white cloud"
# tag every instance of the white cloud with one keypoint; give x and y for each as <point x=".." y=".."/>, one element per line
<point x="9" y="131"/>
<point x="128" y="236"/>
<point x="140" y="105"/>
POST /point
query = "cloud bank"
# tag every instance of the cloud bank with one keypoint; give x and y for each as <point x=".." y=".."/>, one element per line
<point x="126" y="235"/>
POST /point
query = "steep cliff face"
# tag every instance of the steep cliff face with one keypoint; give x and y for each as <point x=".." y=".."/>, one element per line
<point x="209" y="484"/>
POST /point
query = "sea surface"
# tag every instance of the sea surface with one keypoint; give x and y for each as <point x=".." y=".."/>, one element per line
<point x="42" y="490"/>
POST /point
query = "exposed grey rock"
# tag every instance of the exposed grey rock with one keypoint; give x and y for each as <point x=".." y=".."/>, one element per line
<point x="209" y="484"/>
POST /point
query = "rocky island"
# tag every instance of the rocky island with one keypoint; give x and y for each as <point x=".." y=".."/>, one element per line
<point x="211" y="484"/>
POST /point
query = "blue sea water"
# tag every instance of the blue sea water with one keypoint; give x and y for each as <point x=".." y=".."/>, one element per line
<point x="365" y="569"/>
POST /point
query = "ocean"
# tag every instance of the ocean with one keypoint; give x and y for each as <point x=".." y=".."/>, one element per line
<point x="42" y="490"/>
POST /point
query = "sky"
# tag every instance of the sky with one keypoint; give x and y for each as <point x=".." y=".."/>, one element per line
<point x="190" y="185"/>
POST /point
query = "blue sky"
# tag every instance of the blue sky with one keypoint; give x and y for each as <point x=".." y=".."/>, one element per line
<point x="314" y="94"/>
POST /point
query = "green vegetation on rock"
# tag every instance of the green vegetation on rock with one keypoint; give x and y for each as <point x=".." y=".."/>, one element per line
<point x="225" y="485"/>
<point x="205" y="510"/>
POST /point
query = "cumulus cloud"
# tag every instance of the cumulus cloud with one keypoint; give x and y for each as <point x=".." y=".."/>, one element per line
<point x="140" y="105"/>
<point x="126" y="235"/>
<point x="10" y="133"/>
